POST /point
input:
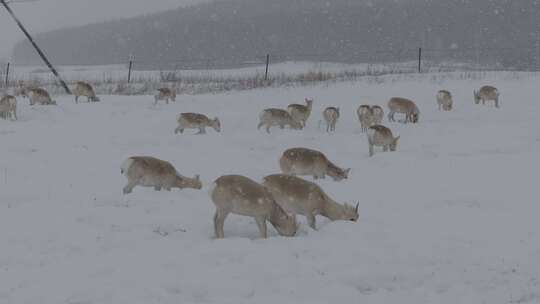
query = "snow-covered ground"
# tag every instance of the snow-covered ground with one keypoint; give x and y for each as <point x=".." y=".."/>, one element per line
<point x="451" y="217"/>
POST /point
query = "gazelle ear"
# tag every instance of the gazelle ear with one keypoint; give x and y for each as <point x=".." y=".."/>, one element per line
<point x="356" y="208"/>
<point x="197" y="177"/>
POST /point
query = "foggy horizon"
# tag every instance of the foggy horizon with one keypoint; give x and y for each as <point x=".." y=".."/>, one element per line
<point x="43" y="16"/>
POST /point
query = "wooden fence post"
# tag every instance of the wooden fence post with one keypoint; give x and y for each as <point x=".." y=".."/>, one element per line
<point x="267" y="64"/>
<point x="7" y="74"/>
<point x="419" y="60"/>
<point x="130" y="66"/>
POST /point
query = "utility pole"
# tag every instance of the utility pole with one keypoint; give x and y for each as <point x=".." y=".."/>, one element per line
<point x="36" y="47"/>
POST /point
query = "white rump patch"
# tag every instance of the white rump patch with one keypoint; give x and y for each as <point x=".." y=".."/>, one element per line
<point x="126" y="165"/>
<point x="212" y="188"/>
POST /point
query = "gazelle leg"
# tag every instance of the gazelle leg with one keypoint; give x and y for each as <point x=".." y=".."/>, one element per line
<point x="219" y="221"/>
<point x="261" y="222"/>
<point x="129" y="187"/>
<point x="311" y="220"/>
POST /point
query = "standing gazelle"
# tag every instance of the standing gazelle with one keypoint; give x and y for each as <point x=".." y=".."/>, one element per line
<point x="240" y="195"/>
<point x="487" y="93"/>
<point x="331" y="116"/>
<point x="277" y="117"/>
<point x="8" y="107"/>
<point x="405" y="106"/>
<point x="299" y="196"/>
<point x="378" y="114"/>
<point x="196" y="121"/>
<point x="365" y="116"/>
<point x="301" y="113"/>
<point x="165" y="94"/>
<point x="148" y="171"/>
<point x="302" y="161"/>
<point x="86" y="90"/>
<point x="38" y="95"/>
<point x="381" y="136"/>
<point x="444" y="100"/>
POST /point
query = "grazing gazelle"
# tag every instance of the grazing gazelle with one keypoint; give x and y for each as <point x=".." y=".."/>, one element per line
<point x="378" y="114"/>
<point x="302" y="161"/>
<point x="165" y="94"/>
<point x="331" y="116"/>
<point x="365" y="116"/>
<point x="487" y="93"/>
<point x="405" y="106"/>
<point x="240" y="195"/>
<point x="148" y="171"/>
<point x="298" y="196"/>
<point x="301" y="113"/>
<point x="39" y="96"/>
<point x="277" y="117"/>
<point x="196" y="121"/>
<point x="381" y="136"/>
<point x="8" y="107"/>
<point x="86" y="90"/>
<point x="444" y="100"/>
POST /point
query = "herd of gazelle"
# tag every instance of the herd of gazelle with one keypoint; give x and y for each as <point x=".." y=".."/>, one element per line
<point x="278" y="198"/>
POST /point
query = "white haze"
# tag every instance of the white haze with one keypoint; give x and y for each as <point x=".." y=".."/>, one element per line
<point x="47" y="15"/>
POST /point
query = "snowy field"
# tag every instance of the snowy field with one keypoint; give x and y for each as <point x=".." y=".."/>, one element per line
<point x="451" y="217"/>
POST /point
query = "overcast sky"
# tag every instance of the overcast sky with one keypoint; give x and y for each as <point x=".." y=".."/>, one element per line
<point x="45" y="15"/>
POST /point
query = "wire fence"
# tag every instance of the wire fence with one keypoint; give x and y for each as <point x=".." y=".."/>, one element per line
<point x="139" y="76"/>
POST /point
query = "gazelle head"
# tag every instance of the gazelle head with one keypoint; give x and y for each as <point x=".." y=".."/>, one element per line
<point x="286" y="225"/>
<point x="393" y="145"/>
<point x="415" y="117"/>
<point x="309" y="102"/>
<point x="216" y="124"/>
<point x="350" y="213"/>
<point x="338" y="174"/>
<point x="186" y="182"/>
<point x="476" y="97"/>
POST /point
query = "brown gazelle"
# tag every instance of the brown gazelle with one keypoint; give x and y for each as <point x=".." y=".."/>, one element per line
<point x="38" y="96"/>
<point x="148" y="171"/>
<point x="381" y="136"/>
<point x="196" y="121"/>
<point x="300" y="112"/>
<point x="405" y="106"/>
<point x="277" y="117"/>
<point x="487" y="93"/>
<point x="302" y="161"/>
<point x="298" y="196"/>
<point x="8" y="107"/>
<point x="331" y="116"/>
<point x="165" y="94"/>
<point x="365" y="116"/>
<point x="378" y="114"/>
<point x="444" y="100"/>
<point x="240" y="195"/>
<point x="84" y="89"/>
